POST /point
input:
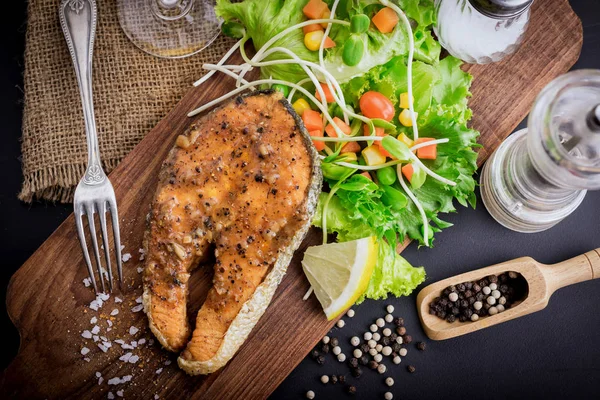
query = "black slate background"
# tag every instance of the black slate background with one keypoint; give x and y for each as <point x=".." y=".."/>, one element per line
<point x="553" y="354"/>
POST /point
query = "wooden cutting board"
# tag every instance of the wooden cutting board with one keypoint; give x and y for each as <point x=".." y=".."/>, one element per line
<point x="49" y="304"/>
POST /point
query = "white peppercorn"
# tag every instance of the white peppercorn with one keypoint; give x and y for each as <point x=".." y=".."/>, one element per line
<point x="378" y="358"/>
<point x="453" y="296"/>
<point x="376" y="336"/>
<point x="502" y="300"/>
<point x="389" y="318"/>
<point x="380" y="322"/>
<point x="388" y="396"/>
<point x="500" y="308"/>
<point x="325" y="379"/>
<point x="397" y="360"/>
<point x="355" y="341"/>
<point x="381" y="368"/>
<point x="373" y="352"/>
<point x="491" y="300"/>
<point x="371" y="343"/>
<point x="373" y="328"/>
<point x="336" y="350"/>
<point x="350" y="313"/>
<point x="403" y="352"/>
<point x="386" y="351"/>
<point x="477" y="305"/>
<point x="486" y="290"/>
<point x="496" y="294"/>
<point x="399" y="340"/>
<point x="493" y="311"/>
<point x="387" y="332"/>
<point x="341" y="357"/>
<point x="368" y="336"/>
<point x="310" y="395"/>
<point x="357" y="353"/>
<point x="474" y="317"/>
<point x="379" y="348"/>
<point x="390" y="308"/>
<point x="325" y="339"/>
<point x="340" y="323"/>
<point x="389" y="381"/>
<point x="493" y="286"/>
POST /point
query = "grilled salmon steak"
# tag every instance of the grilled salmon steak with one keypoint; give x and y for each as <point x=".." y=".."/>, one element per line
<point x="243" y="181"/>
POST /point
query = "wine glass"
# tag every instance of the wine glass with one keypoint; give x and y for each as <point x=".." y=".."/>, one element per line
<point x="169" y="28"/>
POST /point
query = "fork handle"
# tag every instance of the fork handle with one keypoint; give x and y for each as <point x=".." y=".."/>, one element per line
<point x="78" y="21"/>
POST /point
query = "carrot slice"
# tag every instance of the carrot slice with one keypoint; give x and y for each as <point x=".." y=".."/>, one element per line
<point x="315" y="8"/>
<point x="350" y="147"/>
<point x="311" y="28"/>
<point x="341" y="124"/>
<point x="378" y="132"/>
<point x="328" y="95"/>
<point x="367" y="175"/>
<point x="427" y="152"/>
<point x="318" y="144"/>
<point x="385" y="20"/>
<point x="408" y="171"/>
<point x="329" y="43"/>
<point x="312" y="120"/>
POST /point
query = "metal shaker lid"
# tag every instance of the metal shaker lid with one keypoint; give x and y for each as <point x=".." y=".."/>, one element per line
<point x="501" y="9"/>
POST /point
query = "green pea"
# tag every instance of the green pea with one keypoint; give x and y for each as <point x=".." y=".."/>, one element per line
<point x="233" y="29"/>
<point x="386" y="175"/>
<point x="281" y="88"/>
<point x="353" y="52"/>
<point x="359" y="23"/>
<point x="393" y="198"/>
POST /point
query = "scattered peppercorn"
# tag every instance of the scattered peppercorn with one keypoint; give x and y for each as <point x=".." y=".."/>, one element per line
<point x="373" y="364"/>
<point x="342" y="378"/>
<point x="421" y="346"/>
<point x="353" y="362"/>
<point x="334" y="379"/>
<point x="364" y="360"/>
<point x="401" y="331"/>
<point x="334" y="342"/>
<point x="407" y="339"/>
<point x="351" y="390"/>
<point x="411" y="369"/>
<point x="356" y="372"/>
<point x="320" y="360"/>
<point x="399" y="321"/>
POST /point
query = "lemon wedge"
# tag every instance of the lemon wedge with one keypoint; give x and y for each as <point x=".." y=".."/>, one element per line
<point x="340" y="272"/>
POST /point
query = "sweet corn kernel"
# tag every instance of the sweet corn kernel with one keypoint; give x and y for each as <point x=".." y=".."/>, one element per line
<point x="312" y="40"/>
<point x="405" y="119"/>
<point x="373" y="156"/>
<point x="300" y="106"/>
<point x="405" y="139"/>
<point x="404" y="100"/>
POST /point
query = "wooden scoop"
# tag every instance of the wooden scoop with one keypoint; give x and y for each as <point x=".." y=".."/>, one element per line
<point x="543" y="280"/>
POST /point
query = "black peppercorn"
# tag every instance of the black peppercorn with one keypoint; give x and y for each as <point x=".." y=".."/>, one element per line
<point x="464" y="304"/>
<point x="493" y="279"/>
<point x="325" y="348"/>
<point x="451" y="318"/>
<point x="384" y="341"/>
<point x="396" y="347"/>
<point x="468" y="294"/>
<point x="373" y="364"/>
<point x="432" y="310"/>
<point x="504" y="288"/>
<point x="443" y="302"/>
<point x="421" y="346"/>
<point x="446" y="292"/>
<point x="441" y="314"/>
<point x="401" y="330"/>
<point x="483" y="283"/>
<point x="342" y="378"/>
<point x="472" y="300"/>
<point x="411" y="369"/>
<point x="320" y="360"/>
<point x="353" y="362"/>
<point x="467" y="312"/>
<point x="455" y="310"/>
<point x="363" y="360"/>
<point x="480" y="296"/>
<point x="334" y="342"/>
<point x="476" y="288"/>
<point x="314" y="354"/>
<point x="334" y="379"/>
<point x="356" y="372"/>
<point x="364" y="348"/>
<point x="407" y="339"/>
<point x="352" y="389"/>
<point x="393" y="337"/>
<point x="469" y="285"/>
<point x="460" y="287"/>
<point x="398" y="321"/>
<point x="462" y="318"/>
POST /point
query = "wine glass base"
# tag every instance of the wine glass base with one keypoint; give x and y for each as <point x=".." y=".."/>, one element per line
<point x="169" y="29"/>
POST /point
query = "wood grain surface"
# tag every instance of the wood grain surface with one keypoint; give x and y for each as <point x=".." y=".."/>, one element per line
<point x="49" y="305"/>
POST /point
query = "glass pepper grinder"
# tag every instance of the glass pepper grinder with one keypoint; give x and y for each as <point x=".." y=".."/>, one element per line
<point x="481" y="31"/>
<point x="540" y="175"/>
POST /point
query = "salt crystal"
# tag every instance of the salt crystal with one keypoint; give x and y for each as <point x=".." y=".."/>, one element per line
<point x="115" y="381"/>
<point x="120" y="393"/>
<point x="95" y="329"/>
<point x="120" y="341"/>
<point x="158" y="371"/>
<point x="86" y="359"/>
<point x="127" y="347"/>
<point x="126" y="257"/>
<point x="125" y="357"/>
<point x="118" y="300"/>
<point x="138" y="300"/>
<point x="86" y="334"/>
<point x="141" y="341"/>
<point x="102" y="347"/>
<point x="108" y="329"/>
<point x="168" y="362"/>
<point x="104" y="296"/>
<point x="133" y="330"/>
<point x="93" y="320"/>
<point x="100" y="380"/>
<point x="134" y="343"/>
<point x="134" y="359"/>
<point x="150" y="342"/>
<point x="96" y="304"/>
<point x="84" y="351"/>
<point x="110" y="396"/>
<point x="156" y="397"/>
<point x="140" y="270"/>
<point x="137" y="308"/>
<point x="127" y="378"/>
<point x="96" y="338"/>
<point x="87" y="282"/>
<point x="114" y="312"/>
<point x="122" y="247"/>
<point x="108" y="345"/>
<point x="109" y="322"/>
<point x="98" y="374"/>
<point x="104" y="338"/>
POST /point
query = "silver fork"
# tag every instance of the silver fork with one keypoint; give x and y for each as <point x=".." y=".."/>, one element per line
<point x="94" y="193"/>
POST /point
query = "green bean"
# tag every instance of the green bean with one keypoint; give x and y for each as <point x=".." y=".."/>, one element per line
<point x="387" y="175"/>
<point x="354" y="48"/>
<point x="359" y="23"/>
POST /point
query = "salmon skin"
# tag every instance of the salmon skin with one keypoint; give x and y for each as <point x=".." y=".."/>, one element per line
<point x="243" y="180"/>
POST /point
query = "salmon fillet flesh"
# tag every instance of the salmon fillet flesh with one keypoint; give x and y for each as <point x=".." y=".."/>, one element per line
<point x="243" y="181"/>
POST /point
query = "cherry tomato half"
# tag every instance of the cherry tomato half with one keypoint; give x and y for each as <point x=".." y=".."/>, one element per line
<point x="375" y="105"/>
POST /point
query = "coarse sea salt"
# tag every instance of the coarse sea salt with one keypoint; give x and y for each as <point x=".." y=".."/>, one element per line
<point x="168" y="362"/>
<point x="140" y="270"/>
<point x="100" y="380"/>
<point x="86" y="359"/>
<point x="137" y="308"/>
<point x="142" y="254"/>
<point x="98" y="374"/>
<point x="156" y="397"/>
<point x="158" y="371"/>
<point x="93" y="320"/>
<point x="109" y="322"/>
<point x="114" y="312"/>
<point x="120" y="341"/>
<point x="125" y="357"/>
<point x="95" y="329"/>
<point x="87" y="282"/>
<point x="127" y="346"/>
<point x="84" y="351"/>
<point x="134" y="359"/>
<point x="110" y="396"/>
<point x="139" y="300"/>
<point x="134" y="343"/>
<point x="141" y="341"/>
<point x="86" y="334"/>
<point x="102" y="347"/>
<point x="108" y="345"/>
<point x="104" y="296"/>
<point x="126" y="257"/>
<point x="96" y="338"/>
<point x="120" y="393"/>
<point x="133" y="330"/>
<point x="118" y="300"/>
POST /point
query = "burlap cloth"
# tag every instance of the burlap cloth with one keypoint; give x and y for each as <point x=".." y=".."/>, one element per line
<point x="132" y="92"/>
